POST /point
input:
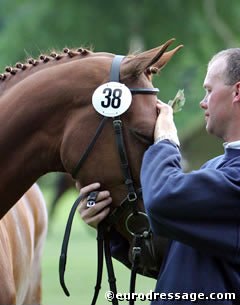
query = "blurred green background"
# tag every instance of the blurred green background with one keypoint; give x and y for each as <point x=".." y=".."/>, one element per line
<point x="29" y="28"/>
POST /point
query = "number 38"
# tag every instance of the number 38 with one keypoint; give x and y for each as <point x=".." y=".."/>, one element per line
<point x="112" y="98"/>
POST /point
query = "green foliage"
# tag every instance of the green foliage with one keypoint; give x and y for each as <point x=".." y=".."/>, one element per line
<point x="178" y="102"/>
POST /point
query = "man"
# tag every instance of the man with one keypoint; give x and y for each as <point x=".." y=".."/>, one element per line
<point x="199" y="212"/>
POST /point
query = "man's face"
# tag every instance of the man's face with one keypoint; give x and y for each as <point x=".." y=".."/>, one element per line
<point x="217" y="102"/>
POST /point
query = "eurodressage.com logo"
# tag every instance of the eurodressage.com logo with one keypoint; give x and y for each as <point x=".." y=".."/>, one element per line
<point x="155" y="296"/>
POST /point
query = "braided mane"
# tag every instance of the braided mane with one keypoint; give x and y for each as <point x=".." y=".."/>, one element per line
<point x="13" y="75"/>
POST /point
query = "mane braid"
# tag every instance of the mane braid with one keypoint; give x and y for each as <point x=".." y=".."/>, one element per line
<point x="43" y="58"/>
<point x="33" y="65"/>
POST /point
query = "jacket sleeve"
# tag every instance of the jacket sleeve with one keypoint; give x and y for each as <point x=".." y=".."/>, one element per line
<point x="200" y="208"/>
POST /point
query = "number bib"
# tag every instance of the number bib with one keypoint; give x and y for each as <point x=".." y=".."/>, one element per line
<point x="111" y="99"/>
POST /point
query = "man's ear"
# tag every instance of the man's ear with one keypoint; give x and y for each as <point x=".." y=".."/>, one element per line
<point x="237" y="93"/>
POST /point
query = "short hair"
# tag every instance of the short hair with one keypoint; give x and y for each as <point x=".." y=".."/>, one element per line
<point x="232" y="70"/>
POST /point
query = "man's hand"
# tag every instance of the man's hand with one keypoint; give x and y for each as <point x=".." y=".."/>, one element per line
<point x="165" y="127"/>
<point x="95" y="214"/>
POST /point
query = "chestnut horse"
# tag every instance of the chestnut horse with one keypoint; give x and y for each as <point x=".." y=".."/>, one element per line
<point x="22" y="233"/>
<point x="48" y="120"/>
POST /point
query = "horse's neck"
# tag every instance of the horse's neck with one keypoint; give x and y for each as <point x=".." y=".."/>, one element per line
<point x="29" y="140"/>
<point x="38" y="116"/>
<point x="22" y="114"/>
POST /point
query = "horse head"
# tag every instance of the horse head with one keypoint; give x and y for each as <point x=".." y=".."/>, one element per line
<point x="103" y="162"/>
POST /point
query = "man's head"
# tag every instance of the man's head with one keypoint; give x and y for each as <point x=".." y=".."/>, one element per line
<point x="232" y="68"/>
<point x="222" y="100"/>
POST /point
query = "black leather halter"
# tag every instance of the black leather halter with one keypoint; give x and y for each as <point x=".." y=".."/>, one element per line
<point x="131" y="199"/>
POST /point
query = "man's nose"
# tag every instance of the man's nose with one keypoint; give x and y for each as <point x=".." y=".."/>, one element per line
<point x="203" y="104"/>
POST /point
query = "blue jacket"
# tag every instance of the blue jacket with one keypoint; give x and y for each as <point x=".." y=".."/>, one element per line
<point x="199" y="212"/>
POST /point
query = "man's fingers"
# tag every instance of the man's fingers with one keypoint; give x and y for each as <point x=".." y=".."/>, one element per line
<point x="164" y="108"/>
<point x="96" y="219"/>
<point x="90" y="188"/>
<point x="92" y="218"/>
<point x="102" y="195"/>
<point x="94" y="214"/>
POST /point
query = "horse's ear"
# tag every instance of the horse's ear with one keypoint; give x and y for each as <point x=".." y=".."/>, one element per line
<point x="156" y="57"/>
<point x="164" y="59"/>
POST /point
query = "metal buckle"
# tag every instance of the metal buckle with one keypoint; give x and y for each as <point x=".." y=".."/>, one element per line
<point x="132" y="196"/>
<point x="91" y="199"/>
<point x="117" y="122"/>
<point x="136" y="252"/>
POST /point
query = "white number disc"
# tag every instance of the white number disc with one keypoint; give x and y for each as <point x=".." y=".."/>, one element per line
<point x="112" y="99"/>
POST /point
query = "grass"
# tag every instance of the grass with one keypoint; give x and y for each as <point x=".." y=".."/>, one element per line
<point x="80" y="274"/>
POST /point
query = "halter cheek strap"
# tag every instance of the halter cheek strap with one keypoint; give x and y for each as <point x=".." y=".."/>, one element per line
<point x="117" y="124"/>
<point x="115" y="68"/>
<point x="115" y="77"/>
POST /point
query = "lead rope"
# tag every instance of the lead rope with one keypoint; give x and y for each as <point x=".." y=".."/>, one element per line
<point x="63" y="255"/>
<point x="136" y="253"/>
<point x="64" y="249"/>
<point x="103" y="243"/>
<point x="100" y="243"/>
<point x="110" y="270"/>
